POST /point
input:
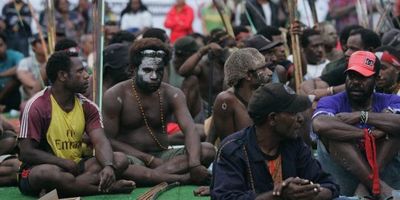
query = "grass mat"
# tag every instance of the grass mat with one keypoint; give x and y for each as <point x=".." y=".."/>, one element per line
<point x="177" y="193"/>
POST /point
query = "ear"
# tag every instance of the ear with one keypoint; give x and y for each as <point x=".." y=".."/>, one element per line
<point x="272" y="118"/>
<point x="249" y="76"/>
<point x="62" y="76"/>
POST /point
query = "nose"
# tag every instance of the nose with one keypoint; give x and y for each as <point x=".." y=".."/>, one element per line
<point x="153" y="75"/>
<point x="86" y="74"/>
<point x="300" y="118"/>
<point x="348" y="52"/>
<point x="268" y="71"/>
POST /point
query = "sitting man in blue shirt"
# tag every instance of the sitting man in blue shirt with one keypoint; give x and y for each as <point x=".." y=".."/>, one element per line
<point x="359" y="132"/>
<point x="269" y="160"/>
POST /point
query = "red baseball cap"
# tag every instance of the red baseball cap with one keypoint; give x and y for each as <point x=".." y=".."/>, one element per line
<point x="362" y="62"/>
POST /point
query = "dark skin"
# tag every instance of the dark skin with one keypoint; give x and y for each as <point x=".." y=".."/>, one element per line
<point x="11" y="72"/>
<point x="276" y="128"/>
<point x="9" y="167"/>
<point x="230" y="115"/>
<point x="200" y="65"/>
<point x="339" y="134"/>
<point x="354" y="43"/>
<point x="52" y="172"/>
<point x="124" y="125"/>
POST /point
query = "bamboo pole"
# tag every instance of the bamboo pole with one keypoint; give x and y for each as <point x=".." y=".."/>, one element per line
<point x="98" y="31"/>
<point x="298" y="75"/>
<point x="41" y="36"/>
<point x="51" y="25"/>
<point x="220" y="5"/>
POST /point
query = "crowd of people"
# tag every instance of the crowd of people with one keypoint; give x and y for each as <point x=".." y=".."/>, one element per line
<point x="229" y="101"/>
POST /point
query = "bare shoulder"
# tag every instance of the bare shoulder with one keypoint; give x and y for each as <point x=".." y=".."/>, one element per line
<point x="226" y="101"/>
<point x="117" y="93"/>
<point x="118" y="89"/>
<point x="226" y="96"/>
<point x="171" y="91"/>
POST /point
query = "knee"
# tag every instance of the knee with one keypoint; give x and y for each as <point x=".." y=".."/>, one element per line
<point x="120" y="161"/>
<point x="45" y="173"/>
<point x="207" y="153"/>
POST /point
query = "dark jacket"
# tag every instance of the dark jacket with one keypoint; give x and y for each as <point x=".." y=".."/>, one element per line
<point x="255" y="17"/>
<point x="240" y="171"/>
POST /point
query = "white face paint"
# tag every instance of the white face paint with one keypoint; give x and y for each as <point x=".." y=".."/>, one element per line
<point x="150" y="70"/>
<point x="150" y="73"/>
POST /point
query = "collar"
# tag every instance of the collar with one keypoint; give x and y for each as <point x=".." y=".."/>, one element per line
<point x="254" y="152"/>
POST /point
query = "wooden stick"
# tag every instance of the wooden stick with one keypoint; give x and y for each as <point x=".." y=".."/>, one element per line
<point x="98" y="30"/>
<point x="51" y="25"/>
<point x="152" y="191"/>
<point x="311" y="3"/>
<point x="298" y="75"/>
<point x="42" y="41"/>
<point x="220" y="5"/>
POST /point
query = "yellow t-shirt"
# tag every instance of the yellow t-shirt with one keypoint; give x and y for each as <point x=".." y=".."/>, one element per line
<point x="66" y="130"/>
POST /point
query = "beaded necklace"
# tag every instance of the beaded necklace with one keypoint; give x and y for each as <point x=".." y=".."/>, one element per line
<point x="144" y="116"/>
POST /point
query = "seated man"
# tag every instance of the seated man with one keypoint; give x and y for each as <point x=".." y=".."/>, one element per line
<point x="350" y="123"/>
<point x="269" y="160"/>
<point x="52" y="126"/>
<point x="245" y="70"/>
<point x="9" y="163"/>
<point x="136" y="112"/>
<point x="31" y="71"/>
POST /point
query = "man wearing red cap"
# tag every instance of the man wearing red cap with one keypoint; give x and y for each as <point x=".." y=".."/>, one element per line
<point x="358" y="132"/>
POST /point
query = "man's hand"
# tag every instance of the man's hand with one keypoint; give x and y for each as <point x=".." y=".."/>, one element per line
<point x="296" y="188"/>
<point x="70" y="166"/>
<point x="155" y="163"/>
<point x="349" y="118"/>
<point x="199" y="175"/>
<point x="107" y="178"/>
<point x="378" y="133"/>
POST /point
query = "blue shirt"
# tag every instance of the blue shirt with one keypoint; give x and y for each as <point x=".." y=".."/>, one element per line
<point x="11" y="60"/>
<point x="332" y="105"/>
<point x="233" y="178"/>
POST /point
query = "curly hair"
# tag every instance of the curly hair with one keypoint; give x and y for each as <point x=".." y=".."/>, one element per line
<point x="135" y="57"/>
<point x="59" y="61"/>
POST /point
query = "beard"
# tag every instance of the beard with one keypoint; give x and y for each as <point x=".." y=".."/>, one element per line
<point x="146" y="87"/>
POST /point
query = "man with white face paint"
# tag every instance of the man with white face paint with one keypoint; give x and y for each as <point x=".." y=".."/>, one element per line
<point x="136" y="112"/>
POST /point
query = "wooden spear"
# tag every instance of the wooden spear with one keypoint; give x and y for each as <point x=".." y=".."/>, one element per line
<point x="98" y="35"/>
<point x="298" y="74"/>
<point x="220" y="5"/>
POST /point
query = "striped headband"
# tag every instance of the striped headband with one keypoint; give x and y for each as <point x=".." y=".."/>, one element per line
<point x="389" y="58"/>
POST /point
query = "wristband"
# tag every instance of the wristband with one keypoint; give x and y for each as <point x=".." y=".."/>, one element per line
<point x="110" y="164"/>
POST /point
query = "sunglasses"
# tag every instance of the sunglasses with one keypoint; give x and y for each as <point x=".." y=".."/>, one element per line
<point x="153" y="53"/>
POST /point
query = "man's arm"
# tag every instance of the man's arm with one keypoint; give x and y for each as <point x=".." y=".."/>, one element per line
<point x="333" y="128"/>
<point x="9" y="72"/>
<point x="9" y="87"/>
<point x="229" y="180"/>
<point x="387" y="122"/>
<point x="186" y="123"/>
<point x="192" y="65"/>
<point x="31" y="154"/>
